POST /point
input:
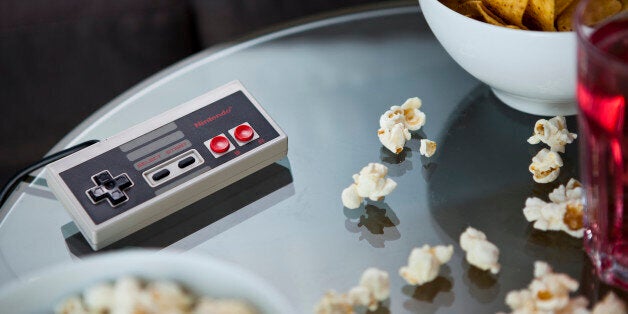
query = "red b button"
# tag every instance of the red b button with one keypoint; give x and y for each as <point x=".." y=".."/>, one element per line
<point x="244" y="133"/>
<point x="219" y="144"/>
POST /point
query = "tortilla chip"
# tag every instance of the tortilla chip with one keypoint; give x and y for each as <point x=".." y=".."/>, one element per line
<point x="564" y="22"/>
<point x="540" y="15"/>
<point x="475" y="9"/>
<point x="511" y="11"/>
<point x="561" y="5"/>
<point x="598" y="10"/>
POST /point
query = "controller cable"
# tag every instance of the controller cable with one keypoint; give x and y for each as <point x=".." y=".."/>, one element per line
<point x="23" y="174"/>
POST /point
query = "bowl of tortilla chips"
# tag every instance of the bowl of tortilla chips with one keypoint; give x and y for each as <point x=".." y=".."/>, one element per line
<point x="525" y="50"/>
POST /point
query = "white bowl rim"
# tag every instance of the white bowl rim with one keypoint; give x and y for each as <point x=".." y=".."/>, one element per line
<point x="275" y="298"/>
<point x="488" y="26"/>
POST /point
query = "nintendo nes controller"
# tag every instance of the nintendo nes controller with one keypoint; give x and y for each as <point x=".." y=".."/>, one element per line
<point x="151" y="170"/>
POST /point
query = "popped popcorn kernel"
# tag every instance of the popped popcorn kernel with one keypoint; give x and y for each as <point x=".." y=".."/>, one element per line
<point x="130" y="295"/>
<point x="394" y="138"/>
<point x="371" y="182"/>
<point x="552" y="132"/>
<point x="545" y="166"/>
<point x="99" y="297"/>
<point x="610" y="305"/>
<point x="480" y="252"/>
<point x="424" y="263"/>
<point x="547" y="293"/>
<point x="414" y="117"/>
<point x="221" y="306"/>
<point x="428" y="148"/>
<point x="377" y="282"/>
<point x="72" y="305"/>
<point x="350" y="197"/>
<point x="565" y="212"/>
<point x="334" y="303"/>
<point x="395" y="124"/>
<point x="374" y="287"/>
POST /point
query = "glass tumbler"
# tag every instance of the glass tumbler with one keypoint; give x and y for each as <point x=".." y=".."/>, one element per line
<point x="602" y="90"/>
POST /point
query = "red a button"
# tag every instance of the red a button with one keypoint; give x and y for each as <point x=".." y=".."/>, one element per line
<point x="219" y="144"/>
<point x="244" y="133"/>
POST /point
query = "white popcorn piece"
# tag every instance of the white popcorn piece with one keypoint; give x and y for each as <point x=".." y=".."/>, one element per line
<point x="565" y="212"/>
<point x="545" y="166"/>
<point x="424" y="263"/>
<point x="72" y="305"/>
<point x="99" y="298"/>
<point x="547" y="293"/>
<point x="127" y="296"/>
<point x="480" y="252"/>
<point x="392" y="117"/>
<point x="552" y="132"/>
<point x="361" y="296"/>
<point x="414" y="117"/>
<point x="377" y="282"/>
<point x="394" y="138"/>
<point x="334" y="303"/>
<point x="350" y="197"/>
<point x="428" y="148"/>
<point x="395" y="124"/>
<point x="610" y="305"/>
<point x="374" y="287"/>
<point x="408" y="114"/>
<point x="371" y="182"/>
<point x="221" y="306"/>
<point x="165" y="297"/>
<point x="572" y="192"/>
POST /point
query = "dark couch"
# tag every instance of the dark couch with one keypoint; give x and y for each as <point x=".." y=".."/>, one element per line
<point x="61" y="60"/>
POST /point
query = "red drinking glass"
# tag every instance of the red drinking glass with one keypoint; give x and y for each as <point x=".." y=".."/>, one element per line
<point x="602" y="92"/>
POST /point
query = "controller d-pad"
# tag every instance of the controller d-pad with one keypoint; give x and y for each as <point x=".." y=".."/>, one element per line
<point x="109" y="188"/>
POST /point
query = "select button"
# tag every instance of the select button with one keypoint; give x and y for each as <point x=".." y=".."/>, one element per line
<point x="161" y="174"/>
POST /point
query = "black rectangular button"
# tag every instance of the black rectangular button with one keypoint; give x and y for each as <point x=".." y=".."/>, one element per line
<point x="186" y="162"/>
<point x="161" y="174"/>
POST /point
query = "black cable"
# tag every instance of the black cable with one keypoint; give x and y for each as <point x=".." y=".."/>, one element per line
<point x="22" y="174"/>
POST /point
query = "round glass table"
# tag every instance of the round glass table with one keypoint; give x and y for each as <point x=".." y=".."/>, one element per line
<point x="326" y="83"/>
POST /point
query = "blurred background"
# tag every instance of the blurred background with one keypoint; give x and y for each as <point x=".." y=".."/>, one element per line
<point x="62" y="60"/>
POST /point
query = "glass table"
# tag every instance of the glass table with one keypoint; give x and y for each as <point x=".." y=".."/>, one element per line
<point x="326" y="83"/>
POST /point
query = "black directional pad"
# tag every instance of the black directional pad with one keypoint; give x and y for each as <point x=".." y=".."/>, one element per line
<point x="109" y="188"/>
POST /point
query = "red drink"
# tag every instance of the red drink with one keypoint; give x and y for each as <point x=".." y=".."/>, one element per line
<point x="602" y="94"/>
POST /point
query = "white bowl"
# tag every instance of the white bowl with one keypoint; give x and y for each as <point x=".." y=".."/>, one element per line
<point x="531" y="71"/>
<point x="202" y="275"/>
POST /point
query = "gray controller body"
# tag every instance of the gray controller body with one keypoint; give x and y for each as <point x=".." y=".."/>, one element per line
<point x="151" y="170"/>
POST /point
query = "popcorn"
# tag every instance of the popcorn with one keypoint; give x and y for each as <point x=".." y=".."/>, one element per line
<point x="554" y="133"/>
<point x="222" y="306"/>
<point x="428" y="148"/>
<point x="333" y="303"/>
<point x="545" y="166"/>
<point x="394" y="138"/>
<point x="166" y="297"/>
<point x="408" y="114"/>
<point x="72" y="305"/>
<point x="130" y="295"/>
<point x="424" y="263"/>
<point x="371" y="183"/>
<point x="480" y="252"/>
<point x="395" y="124"/>
<point x="378" y="284"/>
<point x="99" y="297"/>
<point x="547" y="293"/>
<point x="374" y="287"/>
<point x="610" y="305"/>
<point x="564" y="213"/>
